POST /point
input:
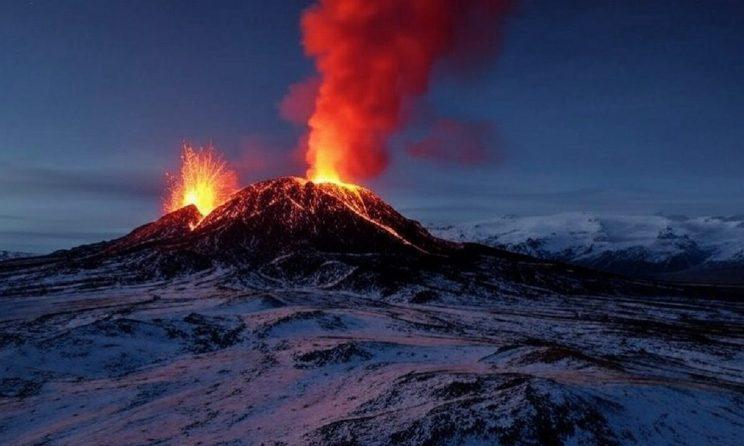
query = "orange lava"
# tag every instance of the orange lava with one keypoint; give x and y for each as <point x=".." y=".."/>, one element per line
<point x="205" y="180"/>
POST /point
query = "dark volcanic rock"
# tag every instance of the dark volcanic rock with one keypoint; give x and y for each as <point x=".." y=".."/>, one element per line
<point x="257" y="225"/>
<point x="288" y="214"/>
<point x="339" y="354"/>
<point x="173" y="226"/>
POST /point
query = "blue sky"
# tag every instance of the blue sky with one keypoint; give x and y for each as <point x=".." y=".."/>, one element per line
<point x="606" y="106"/>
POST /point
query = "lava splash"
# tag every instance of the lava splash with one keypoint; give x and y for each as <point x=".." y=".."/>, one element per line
<point x="205" y="180"/>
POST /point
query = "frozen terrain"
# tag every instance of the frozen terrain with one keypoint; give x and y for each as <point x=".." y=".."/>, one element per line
<point x="709" y="249"/>
<point x="314" y="314"/>
<point x="206" y="360"/>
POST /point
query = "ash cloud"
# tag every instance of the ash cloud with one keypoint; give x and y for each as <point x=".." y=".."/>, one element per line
<point x="456" y="142"/>
<point x="372" y="59"/>
<point x="298" y="104"/>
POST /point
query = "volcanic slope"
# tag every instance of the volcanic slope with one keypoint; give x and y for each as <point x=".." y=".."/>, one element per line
<point x="292" y="232"/>
<point x="299" y="313"/>
<point x="289" y="214"/>
<point x="259" y="224"/>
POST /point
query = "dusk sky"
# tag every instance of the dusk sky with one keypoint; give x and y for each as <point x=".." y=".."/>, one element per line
<point x="593" y="105"/>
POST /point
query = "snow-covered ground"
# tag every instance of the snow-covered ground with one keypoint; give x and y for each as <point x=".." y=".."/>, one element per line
<point x="626" y="244"/>
<point x="325" y="317"/>
<point x="206" y="360"/>
<point x="4" y="255"/>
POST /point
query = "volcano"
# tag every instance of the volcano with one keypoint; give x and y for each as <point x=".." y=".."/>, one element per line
<point x="274" y="217"/>
<point x="269" y="220"/>
<point x="315" y="313"/>
<point x="265" y="221"/>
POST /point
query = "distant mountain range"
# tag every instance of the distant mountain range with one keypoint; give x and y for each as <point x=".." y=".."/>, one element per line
<point x="4" y="255"/>
<point x="674" y="248"/>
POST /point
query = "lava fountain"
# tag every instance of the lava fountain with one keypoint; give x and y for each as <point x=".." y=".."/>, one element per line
<point x="205" y="180"/>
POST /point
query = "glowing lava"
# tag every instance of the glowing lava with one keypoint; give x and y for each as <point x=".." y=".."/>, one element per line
<point x="324" y="171"/>
<point x="205" y="180"/>
<point x="331" y="177"/>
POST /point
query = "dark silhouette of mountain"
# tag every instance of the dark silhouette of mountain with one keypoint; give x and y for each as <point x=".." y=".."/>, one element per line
<point x="258" y="224"/>
<point x="288" y="214"/>
<point x="173" y="226"/>
<point x="290" y="230"/>
<point x="4" y="255"/>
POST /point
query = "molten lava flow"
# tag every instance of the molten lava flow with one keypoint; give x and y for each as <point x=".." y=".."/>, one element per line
<point x="331" y="178"/>
<point x="205" y="181"/>
<point x="373" y="56"/>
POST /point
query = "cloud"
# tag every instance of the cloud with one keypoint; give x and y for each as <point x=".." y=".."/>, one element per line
<point x="78" y="236"/>
<point x="11" y="217"/>
<point x="108" y="183"/>
<point x="451" y="141"/>
<point x="261" y="157"/>
<point x="298" y="104"/>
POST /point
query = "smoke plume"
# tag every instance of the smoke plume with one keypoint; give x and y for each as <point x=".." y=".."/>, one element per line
<point x="456" y="142"/>
<point x="372" y="58"/>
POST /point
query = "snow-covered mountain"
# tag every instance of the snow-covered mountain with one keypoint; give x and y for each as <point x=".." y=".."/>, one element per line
<point x="661" y="247"/>
<point x="299" y="314"/>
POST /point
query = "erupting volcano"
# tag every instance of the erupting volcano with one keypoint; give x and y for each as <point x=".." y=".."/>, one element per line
<point x="207" y="183"/>
<point x="276" y="217"/>
<point x="287" y="214"/>
<point x="373" y="59"/>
